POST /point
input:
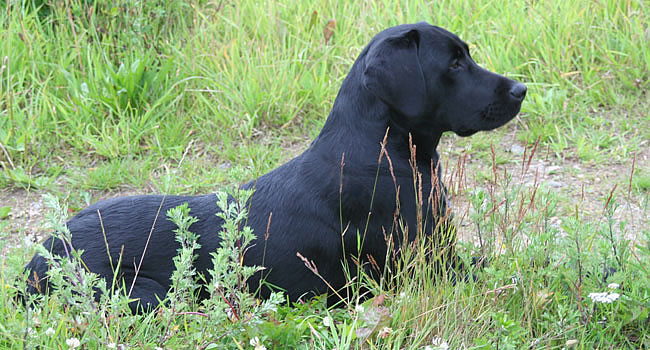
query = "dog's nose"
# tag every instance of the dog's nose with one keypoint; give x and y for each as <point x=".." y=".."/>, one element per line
<point x="518" y="91"/>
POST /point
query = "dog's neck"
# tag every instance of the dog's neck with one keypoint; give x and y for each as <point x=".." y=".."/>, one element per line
<point x="358" y="122"/>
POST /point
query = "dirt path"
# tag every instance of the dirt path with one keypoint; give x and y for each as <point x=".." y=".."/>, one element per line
<point x="586" y="188"/>
<point x="583" y="185"/>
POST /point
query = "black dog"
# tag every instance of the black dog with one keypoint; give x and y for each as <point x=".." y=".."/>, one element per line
<point x="417" y="80"/>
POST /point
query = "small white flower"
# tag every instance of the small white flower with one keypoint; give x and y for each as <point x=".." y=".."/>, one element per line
<point x="439" y="344"/>
<point x="327" y="321"/>
<point x="158" y="348"/>
<point x="31" y="332"/>
<point x="385" y="332"/>
<point x="50" y="332"/>
<point x="257" y="344"/>
<point x="359" y="308"/>
<point x="598" y="297"/>
<point x="571" y="343"/>
<point x="604" y="297"/>
<point x="73" y="343"/>
<point x="613" y="296"/>
<point x="613" y="286"/>
<point x="111" y="345"/>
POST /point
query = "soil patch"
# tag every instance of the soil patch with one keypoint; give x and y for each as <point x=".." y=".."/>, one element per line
<point x="586" y="186"/>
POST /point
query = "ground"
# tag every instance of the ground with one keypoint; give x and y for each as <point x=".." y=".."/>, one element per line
<point x="583" y="185"/>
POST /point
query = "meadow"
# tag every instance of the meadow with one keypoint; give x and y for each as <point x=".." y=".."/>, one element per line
<point x="109" y="98"/>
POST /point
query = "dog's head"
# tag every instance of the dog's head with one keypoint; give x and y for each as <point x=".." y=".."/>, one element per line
<point x="427" y="76"/>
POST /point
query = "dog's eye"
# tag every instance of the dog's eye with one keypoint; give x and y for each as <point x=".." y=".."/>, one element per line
<point x="455" y="64"/>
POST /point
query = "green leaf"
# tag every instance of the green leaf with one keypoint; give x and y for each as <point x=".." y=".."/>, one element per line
<point x="4" y="211"/>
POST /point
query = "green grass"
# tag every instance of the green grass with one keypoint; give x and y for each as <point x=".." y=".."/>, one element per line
<point x="188" y="96"/>
<point x="138" y="79"/>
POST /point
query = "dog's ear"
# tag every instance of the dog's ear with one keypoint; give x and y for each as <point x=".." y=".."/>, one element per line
<point x="393" y="73"/>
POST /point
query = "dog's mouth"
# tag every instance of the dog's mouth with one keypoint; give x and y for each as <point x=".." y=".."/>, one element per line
<point x="464" y="132"/>
<point x="493" y="116"/>
<point x="496" y="115"/>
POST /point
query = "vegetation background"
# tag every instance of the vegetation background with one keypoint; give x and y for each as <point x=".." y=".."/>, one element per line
<point x="107" y="98"/>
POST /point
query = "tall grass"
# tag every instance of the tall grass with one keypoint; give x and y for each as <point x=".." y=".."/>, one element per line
<point x="538" y="288"/>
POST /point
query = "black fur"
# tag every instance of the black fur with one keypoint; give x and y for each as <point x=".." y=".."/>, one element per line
<point x="415" y="79"/>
